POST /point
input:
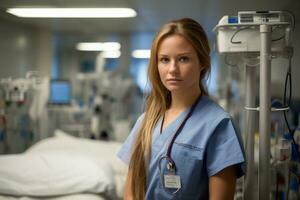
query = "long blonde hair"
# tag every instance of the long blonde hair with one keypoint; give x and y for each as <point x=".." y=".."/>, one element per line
<point x="159" y="99"/>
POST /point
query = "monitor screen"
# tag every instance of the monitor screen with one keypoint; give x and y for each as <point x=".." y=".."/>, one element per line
<point x="60" y="92"/>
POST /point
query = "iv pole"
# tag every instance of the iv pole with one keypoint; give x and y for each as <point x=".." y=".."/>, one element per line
<point x="250" y="130"/>
<point x="264" y="119"/>
<point x="264" y="112"/>
<point x="225" y="32"/>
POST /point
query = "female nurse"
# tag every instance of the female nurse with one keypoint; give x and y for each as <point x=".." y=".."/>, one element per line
<point x="184" y="146"/>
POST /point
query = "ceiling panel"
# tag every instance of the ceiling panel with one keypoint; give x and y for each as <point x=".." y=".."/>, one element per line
<point x="151" y="13"/>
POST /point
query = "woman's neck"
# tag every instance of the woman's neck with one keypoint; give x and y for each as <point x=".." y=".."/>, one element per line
<point x="182" y="101"/>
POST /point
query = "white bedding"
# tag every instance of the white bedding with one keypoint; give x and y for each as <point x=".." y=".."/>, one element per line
<point x="67" y="197"/>
<point x="95" y="169"/>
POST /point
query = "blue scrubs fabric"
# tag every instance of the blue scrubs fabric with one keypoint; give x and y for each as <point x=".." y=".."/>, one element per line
<point x="208" y="143"/>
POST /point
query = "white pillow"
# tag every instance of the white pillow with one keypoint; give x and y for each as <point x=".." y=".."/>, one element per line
<point x="96" y="150"/>
<point x="51" y="174"/>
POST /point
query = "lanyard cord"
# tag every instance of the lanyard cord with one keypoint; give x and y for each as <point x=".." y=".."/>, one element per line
<point x="179" y="130"/>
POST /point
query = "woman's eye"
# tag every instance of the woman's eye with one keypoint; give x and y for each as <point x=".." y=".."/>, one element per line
<point x="164" y="60"/>
<point x="184" y="59"/>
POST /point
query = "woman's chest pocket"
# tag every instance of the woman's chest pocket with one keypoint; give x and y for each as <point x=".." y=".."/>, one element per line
<point x="189" y="162"/>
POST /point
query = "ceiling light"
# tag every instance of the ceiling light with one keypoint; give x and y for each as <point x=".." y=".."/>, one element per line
<point x="141" y="53"/>
<point x="111" y="54"/>
<point x="73" y="12"/>
<point x="98" y="46"/>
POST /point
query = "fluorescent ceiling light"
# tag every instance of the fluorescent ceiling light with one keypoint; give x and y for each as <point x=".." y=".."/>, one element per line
<point x="98" y="46"/>
<point x="141" y="53"/>
<point x="111" y="54"/>
<point x="73" y="12"/>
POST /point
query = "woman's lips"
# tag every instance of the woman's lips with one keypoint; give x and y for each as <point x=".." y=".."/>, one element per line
<point x="173" y="80"/>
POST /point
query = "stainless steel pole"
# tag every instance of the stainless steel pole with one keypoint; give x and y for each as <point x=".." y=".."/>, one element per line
<point x="264" y="112"/>
<point x="250" y="130"/>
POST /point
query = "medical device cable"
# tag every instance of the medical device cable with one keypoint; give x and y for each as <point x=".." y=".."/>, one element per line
<point x="287" y="102"/>
<point x="288" y="81"/>
<point x="293" y="22"/>
<point x="279" y="38"/>
<point x="236" y="32"/>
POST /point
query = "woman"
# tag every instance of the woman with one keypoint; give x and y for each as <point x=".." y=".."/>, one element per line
<point x="184" y="146"/>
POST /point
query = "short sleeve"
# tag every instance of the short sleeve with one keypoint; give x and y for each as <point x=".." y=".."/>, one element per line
<point x="126" y="149"/>
<point x="225" y="149"/>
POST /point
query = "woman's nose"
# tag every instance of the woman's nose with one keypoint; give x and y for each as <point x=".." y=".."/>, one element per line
<point x="173" y="66"/>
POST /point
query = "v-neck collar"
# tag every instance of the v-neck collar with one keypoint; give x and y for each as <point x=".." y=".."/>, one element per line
<point x="173" y="124"/>
<point x="160" y="140"/>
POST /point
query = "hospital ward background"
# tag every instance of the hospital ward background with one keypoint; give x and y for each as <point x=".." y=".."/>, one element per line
<point x="72" y="87"/>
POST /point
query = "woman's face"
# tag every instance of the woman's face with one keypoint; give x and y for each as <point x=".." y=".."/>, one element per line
<point x="178" y="65"/>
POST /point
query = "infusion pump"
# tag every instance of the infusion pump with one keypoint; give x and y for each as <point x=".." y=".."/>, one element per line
<point x="241" y="33"/>
<point x="258" y="17"/>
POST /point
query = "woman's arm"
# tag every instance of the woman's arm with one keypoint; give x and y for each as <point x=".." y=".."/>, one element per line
<point x="127" y="188"/>
<point x="222" y="184"/>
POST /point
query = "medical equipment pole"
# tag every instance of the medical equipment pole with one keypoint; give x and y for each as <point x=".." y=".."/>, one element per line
<point x="250" y="129"/>
<point x="264" y="112"/>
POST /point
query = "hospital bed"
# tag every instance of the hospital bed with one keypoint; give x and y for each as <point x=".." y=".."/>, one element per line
<point x="63" y="167"/>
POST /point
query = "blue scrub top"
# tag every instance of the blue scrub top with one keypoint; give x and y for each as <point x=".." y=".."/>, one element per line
<point x="208" y="143"/>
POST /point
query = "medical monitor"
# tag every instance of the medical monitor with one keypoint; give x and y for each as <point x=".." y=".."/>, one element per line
<point x="60" y="92"/>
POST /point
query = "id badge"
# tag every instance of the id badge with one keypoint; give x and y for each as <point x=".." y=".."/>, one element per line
<point x="172" y="181"/>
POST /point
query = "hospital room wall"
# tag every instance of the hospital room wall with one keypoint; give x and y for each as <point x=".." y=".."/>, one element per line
<point x="24" y="48"/>
<point x="71" y="60"/>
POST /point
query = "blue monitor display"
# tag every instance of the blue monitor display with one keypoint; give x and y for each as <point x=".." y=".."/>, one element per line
<point x="60" y="92"/>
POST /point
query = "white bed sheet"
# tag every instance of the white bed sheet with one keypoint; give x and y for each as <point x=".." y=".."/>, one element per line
<point x="97" y="151"/>
<point x="67" y="197"/>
